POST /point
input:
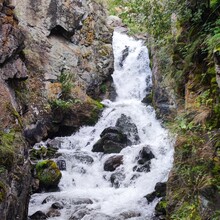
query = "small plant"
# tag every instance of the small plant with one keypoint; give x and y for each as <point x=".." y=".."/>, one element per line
<point x="61" y="104"/>
<point x="66" y="80"/>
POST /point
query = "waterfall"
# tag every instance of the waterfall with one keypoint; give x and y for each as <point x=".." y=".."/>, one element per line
<point x="86" y="189"/>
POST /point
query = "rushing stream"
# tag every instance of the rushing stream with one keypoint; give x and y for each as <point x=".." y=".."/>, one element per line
<point x="87" y="190"/>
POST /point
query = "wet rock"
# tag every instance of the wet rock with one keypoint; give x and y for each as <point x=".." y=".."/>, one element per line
<point x="151" y="196"/>
<point x="48" y="173"/>
<point x="116" y="179"/>
<point x="125" y="53"/>
<point x="125" y="124"/>
<point x="113" y="162"/>
<point x="79" y="201"/>
<point x="61" y="164"/>
<point x="57" y="205"/>
<point x="53" y="213"/>
<point x="83" y="158"/>
<point x="48" y="199"/>
<point x="145" y="168"/>
<point x="118" y="138"/>
<point x="39" y="215"/>
<point x="110" y="147"/>
<point x="79" y="214"/>
<point x="54" y="143"/>
<point x="112" y="141"/>
<point x="159" y="191"/>
<point x="130" y="214"/>
<point x="111" y="130"/>
<point x="145" y="155"/>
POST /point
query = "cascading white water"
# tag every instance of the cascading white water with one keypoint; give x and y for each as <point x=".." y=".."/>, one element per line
<point x="87" y="181"/>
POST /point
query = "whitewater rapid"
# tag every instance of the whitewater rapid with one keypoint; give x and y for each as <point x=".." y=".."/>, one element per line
<point x="88" y="181"/>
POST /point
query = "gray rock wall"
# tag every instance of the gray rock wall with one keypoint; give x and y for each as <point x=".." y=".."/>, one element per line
<point x="39" y="41"/>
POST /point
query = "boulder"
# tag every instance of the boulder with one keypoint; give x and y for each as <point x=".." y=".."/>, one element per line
<point x="112" y="141"/>
<point x="113" y="162"/>
<point x="125" y="124"/>
<point x="57" y="205"/>
<point x="110" y="147"/>
<point x="39" y="215"/>
<point x="79" y="214"/>
<point x="159" y="191"/>
<point x="48" y="173"/>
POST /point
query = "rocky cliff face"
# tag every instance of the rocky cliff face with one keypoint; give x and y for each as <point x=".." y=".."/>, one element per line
<point x="55" y="60"/>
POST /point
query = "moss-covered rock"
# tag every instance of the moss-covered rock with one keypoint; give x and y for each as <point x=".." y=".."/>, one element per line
<point x="48" y="173"/>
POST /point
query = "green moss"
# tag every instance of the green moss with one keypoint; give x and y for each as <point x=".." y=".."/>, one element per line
<point x="187" y="211"/>
<point x="103" y="88"/>
<point x="48" y="173"/>
<point x="7" y="150"/>
<point x="61" y="104"/>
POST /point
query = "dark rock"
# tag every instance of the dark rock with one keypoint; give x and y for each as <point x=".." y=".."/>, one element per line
<point x="112" y="141"/>
<point x="125" y="124"/>
<point x="48" y="199"/>
<point x="57" y="205"/>
<point x="145" y="155"/>
<point x="145" y="168"/>
<point x="118" y="138"/>
<point x="116" y="179"/>
<point x="148" y="99"/>
<point x="110" y="147"/>
<point x="151" y="196"/>
<point x="112" y="130"/>
<point x="39" y="215"/>
<point x="61" y="164"/>
<point x="113" y="162"/>
<point x="125" y="53"/>
<point x="160" y="189"/>
<point x="53" y="213"/>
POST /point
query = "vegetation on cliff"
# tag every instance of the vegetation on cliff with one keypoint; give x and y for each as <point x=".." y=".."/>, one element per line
<point x="184" y="38"/>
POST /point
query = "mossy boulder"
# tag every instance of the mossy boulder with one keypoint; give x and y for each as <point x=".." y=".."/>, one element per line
<point x="48" y="173"/>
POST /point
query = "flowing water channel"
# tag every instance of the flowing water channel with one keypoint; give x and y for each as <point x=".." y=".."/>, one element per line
<point x="89" y="192"/>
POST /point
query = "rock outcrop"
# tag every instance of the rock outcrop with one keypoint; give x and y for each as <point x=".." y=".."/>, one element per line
<point x="40" y="44"/>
